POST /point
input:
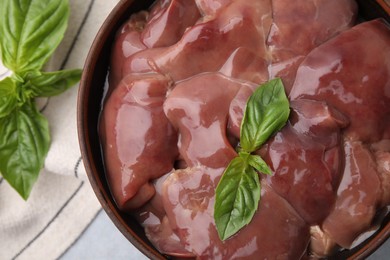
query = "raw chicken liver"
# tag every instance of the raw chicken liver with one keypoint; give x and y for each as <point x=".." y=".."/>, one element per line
<point x="180" y="76"/>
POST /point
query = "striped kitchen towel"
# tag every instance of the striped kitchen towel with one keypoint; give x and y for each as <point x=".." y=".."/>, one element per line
<point x="62" y="203"/>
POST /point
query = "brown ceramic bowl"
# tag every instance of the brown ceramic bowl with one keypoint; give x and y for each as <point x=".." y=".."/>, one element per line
<point x="89" y="107"/>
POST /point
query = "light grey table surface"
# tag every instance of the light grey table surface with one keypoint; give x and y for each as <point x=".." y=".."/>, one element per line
<point x="102" y="240"/>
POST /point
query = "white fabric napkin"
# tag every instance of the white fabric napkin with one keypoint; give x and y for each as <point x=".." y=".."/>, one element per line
<point x="62" y="203"/>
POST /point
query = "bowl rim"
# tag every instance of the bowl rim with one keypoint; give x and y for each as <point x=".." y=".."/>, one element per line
<point x="85" y="87"/>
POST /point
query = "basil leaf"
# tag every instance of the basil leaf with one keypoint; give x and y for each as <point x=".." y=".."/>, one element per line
<point x="8" y="96"/>
<point x="266" y="112"/>
<point x="237" y="197"/>
<point x="30" y="31"/>
<point x="24" y="143"/>
<point x="54" y="83"/>
<point x="259" y="164"/>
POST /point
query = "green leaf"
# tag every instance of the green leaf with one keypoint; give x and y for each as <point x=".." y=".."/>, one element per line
<point x="24" y="143"/>
<point x="54" y="83"/>
<point x="266" y="112"/>
<point x="30" y="31"/>
<point x="259" y="164"/>
<point x="237" y="197"/>
<point x="8" y="96"/>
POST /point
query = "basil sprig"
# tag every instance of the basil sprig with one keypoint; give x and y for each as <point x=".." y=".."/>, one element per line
<point x="30" y="31"/>
<point x="238" y="191"/>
